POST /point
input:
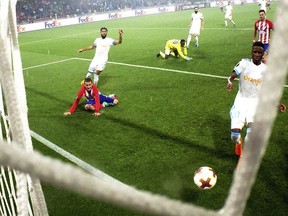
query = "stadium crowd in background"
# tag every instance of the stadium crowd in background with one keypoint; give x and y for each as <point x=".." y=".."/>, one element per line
<point x="28" y="11"/>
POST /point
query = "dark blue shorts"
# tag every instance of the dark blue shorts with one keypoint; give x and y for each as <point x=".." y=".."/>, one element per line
<point x="103" y="98"/>
<point x="266" y="47"/>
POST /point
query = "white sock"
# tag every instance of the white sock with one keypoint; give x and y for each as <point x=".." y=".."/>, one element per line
<point x="96" y="79"/>
<point x="188" y="40"/>
<point x="89" y="74"/>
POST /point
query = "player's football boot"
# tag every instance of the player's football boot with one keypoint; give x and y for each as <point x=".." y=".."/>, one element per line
<point x="158" y="54"/>
<point x="238" y="148"/>
<point x="240" y="158"/>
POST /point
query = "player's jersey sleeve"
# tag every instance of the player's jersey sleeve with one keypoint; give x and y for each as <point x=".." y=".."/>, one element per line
<point x="201" y="16"/>
<point x="256" y="26"/>
<point x="240" y="66"/>
<point x="96" y="98"/>
<point x="183" y="53"/>
<point x="95" y="42"/>
<point x="76" y="102"/>
<point x="170" y="43"/>
<point x="271" y="25"/>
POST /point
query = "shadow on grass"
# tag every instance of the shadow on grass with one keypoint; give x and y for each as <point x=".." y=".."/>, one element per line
<point x="219" y="152"/>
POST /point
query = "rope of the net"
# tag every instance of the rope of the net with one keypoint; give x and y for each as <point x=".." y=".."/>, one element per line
<point x="269" y="98"/>
<point x="8" y="85"/>
<point x="35" y="189"/>
<point x="75" y="179"/>
<point x="17" y="112"/>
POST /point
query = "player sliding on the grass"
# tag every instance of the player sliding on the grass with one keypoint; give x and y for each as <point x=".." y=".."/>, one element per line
<point x="95" y="100"/>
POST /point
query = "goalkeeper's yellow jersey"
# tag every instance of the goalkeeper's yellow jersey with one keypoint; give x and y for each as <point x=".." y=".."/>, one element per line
<point x="174" y="44"/>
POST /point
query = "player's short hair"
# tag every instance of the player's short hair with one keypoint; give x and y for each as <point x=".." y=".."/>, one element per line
<point x="87" y="79"/>
<point x="259" y="44"/>
<point x="196" y="7"/>
<point x="103" y="28"/>
<point x="182" y="41"/>
<point x="262" y="11"/>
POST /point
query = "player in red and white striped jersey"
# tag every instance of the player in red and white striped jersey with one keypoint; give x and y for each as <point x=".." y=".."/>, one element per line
<point x="263" y="27"/>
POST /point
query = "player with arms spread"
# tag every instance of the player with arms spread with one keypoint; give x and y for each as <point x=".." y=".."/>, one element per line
<point x="100" y="59"/>
<point x="175" y="48"/>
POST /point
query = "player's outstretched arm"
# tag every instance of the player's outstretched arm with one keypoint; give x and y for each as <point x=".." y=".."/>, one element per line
<point x="119" y="41"/>
<point x="96" y="114"/>
<point x="67" y="113"/>
<point x="86" y="48"/>
<point x="229" y="86"/>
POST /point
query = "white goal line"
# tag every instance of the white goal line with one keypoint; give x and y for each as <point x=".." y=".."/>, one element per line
<point x="94" y="171"/>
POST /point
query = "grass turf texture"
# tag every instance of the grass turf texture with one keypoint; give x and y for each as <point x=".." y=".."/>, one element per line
<point x="166" y="125"/>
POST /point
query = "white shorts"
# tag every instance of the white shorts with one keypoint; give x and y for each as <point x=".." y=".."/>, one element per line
<point x="242" y="112"/>
<point x="228" y="17"/>
<point x="194" y="30"/>
<point x="95" y="65"/>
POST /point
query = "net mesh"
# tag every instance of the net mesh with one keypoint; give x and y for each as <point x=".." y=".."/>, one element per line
<point x="16" y="126"/>
<point x="75" y="179"/>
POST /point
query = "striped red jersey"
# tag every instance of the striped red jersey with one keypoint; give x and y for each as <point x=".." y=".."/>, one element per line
<point x="263" y="28"/>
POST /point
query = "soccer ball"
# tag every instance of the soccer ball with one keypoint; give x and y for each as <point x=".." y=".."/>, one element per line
<point x="205" y="178"/>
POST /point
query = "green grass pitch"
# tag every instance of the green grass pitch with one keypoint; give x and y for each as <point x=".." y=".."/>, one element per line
<point x="168" y="122"/>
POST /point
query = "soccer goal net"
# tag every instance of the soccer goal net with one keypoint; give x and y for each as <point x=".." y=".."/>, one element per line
<point x="20" y="194"/>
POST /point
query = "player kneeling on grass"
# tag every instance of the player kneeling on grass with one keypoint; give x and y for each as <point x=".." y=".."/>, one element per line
<point x="175" y="48"/>
<point x="95" y="100"/>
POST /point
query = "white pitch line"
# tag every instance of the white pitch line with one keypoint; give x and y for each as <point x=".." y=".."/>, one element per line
<point x="161" y="69"/>
<point x="137" y="66"/>
<point x="50" y="63"/>
<point x="96" y="172"/>
<point x="165" y="69"/>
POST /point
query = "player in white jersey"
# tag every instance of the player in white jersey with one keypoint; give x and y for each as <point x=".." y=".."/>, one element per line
<point x="197" y="23"/>
<point x="263" y="4"/>
<point x="228" y="14"/>
<point x="100" y="59"/>
<point x="250" y="73"/>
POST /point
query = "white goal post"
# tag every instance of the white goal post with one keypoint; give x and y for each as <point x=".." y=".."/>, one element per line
<point x="75" y="179"/>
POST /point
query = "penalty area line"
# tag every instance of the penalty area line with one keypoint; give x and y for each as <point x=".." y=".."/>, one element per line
<point x="94" y="171"/>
